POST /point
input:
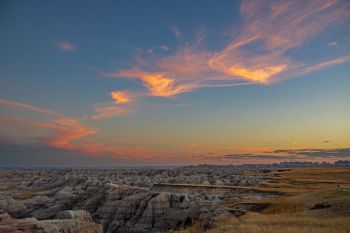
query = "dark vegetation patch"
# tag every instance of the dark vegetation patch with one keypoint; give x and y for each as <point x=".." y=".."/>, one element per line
<point x="321" y="205"/>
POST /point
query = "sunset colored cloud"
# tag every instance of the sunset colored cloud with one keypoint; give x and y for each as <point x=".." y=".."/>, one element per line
<point x="259" y="75"/>
<point x="72" y="134"/>
<point x="121" y="97"/>
<point x="257" y="54"/>
<point x="158" y="84"/>
<point x="115" y="109"/>
<point x="65" y="130"/>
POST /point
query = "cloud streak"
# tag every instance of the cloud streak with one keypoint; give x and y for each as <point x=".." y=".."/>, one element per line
<point x="316" y="67"/>
<point x="258" y="54"/>
<point x="283" y="155"/>
<point x="72" y="134"/>
<point x="108" y="111"/>
<point x="15" y="104"/>
<point x="324" y="153"/>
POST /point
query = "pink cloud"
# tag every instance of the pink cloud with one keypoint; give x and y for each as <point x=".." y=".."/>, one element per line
<point x="72" y="134"/>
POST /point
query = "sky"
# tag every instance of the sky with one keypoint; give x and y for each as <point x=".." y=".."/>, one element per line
<point x="123" y="83"/>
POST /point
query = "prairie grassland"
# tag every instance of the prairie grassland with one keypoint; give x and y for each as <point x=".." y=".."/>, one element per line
<point x="277" y="223"/>
<point x="301" y="180"/>
<point x="316" y="200"/>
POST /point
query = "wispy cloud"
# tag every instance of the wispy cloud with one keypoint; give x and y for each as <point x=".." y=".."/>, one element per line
<point x="331" y="154"/>
<point x="72" y="134"/>
<point x="271" y="28"/>
<point x="250" y="157"/>
<point x="320" y="153"/>
<point x="303" y="70"/>
<point x="158" y="84"/>
<point x="177" y="32"/>
<point x="65" y="130"/>
<point x="66" y="46"/>
<point x="107" y="111"/>
<point x="15" y="104"/>
<point x="164" y="47"/>
<point x="333" y="43"/>
<point x="258" y="54"/>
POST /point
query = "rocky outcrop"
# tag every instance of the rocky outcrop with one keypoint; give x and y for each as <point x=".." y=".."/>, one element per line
<point x="81" y="215"/>
<point x="14" y="207"/>
<point x="137" y="200"/>
<point x="137" y="210"/>
<point x="211" y="190"/>
<point x="32" y="225"/>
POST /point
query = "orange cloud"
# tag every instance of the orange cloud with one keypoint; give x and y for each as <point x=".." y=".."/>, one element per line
<point x="106" y="111"/>
<point x="270" y="29"/>
<point x="159" y="84"/>
<point x="257" y="54"/>
<point x="71" y="134"/>
<point x="67" y="130"/>
<point x="259" y="75"/>
<point x="121" y="97"/>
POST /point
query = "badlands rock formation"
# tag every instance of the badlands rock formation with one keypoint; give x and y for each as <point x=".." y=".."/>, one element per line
<point x="138" y="200"/>
<point x="29" y="225"/>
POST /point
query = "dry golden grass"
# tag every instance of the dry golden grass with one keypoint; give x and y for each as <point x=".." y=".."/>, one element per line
<point x="289" y="215"/>
<point x="302" y="180"/>
<point x="295" y="212"/>
<point x="286" y="223"/>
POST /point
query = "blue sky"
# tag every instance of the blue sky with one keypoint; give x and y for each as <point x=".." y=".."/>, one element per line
<point x="169" y="82"/>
